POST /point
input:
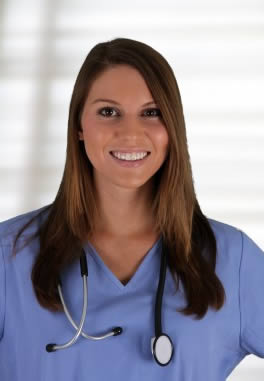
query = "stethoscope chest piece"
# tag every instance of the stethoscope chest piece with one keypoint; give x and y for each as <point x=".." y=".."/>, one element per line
<point x="162" y="349"/>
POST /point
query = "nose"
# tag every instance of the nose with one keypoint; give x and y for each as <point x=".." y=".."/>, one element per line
<point x="131" y="126"/>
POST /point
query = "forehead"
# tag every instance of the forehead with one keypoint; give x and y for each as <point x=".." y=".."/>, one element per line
<point x="121" y="82"/>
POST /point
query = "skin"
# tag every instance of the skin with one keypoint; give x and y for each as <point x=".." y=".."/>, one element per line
<point x="123" y="193"/>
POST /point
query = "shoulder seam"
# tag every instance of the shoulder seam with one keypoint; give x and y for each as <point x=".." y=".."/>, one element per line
<point x="4" y="292"/>
<point x="239" y="287"/>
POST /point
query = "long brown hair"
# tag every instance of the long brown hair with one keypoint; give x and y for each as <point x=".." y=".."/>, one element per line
<point x="185" y="229"/>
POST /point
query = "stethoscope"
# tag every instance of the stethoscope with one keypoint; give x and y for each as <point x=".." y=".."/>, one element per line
<point x="161" y="345"/>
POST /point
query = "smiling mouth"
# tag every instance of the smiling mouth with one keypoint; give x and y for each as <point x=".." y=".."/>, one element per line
<point x="131" y="160"/>
<point x="130" y="163"/>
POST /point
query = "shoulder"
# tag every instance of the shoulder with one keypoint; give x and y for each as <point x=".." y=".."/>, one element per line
<point x="10" y="227"/>
<point x="233" y="242"/>
<point x="226" y="234"/>
<point x="229" y="244"/>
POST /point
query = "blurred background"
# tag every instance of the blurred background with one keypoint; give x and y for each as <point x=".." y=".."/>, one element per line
<point x="216" y="49"/>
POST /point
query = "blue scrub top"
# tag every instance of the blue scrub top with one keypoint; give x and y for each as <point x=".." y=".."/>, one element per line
<point x="206" y="349"/>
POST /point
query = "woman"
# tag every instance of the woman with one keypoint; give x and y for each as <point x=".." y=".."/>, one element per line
<point x="127" y="205"/>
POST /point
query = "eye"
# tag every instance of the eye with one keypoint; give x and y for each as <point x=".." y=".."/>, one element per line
<point x="155" y="112"/>
<point x="108" y="112"/>
<point x="107" y="109"/>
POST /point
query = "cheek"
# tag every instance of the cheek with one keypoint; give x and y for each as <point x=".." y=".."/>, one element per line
<point x="162" y="137"/>
<point x="92" y="133"/>
<point x="94" y="141"/>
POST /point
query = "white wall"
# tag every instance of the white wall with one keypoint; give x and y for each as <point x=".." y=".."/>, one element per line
<point x="216" y="51"/>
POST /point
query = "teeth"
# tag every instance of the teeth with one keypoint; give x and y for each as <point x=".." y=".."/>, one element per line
<point x="130" y="156"/>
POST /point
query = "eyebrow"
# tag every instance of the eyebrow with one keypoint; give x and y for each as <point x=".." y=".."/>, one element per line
<point x="112" y="101"/>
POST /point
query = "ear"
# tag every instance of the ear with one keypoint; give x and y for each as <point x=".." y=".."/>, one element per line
<point x="80" y="133"/>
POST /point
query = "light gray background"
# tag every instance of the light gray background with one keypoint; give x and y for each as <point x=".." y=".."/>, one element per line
<point x="216" y="51"/>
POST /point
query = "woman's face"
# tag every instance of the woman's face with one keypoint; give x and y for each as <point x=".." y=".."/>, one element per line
<point x="122" y="122"/>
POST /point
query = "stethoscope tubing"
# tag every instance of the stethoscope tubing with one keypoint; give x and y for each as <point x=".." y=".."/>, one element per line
<point x="79" y="329"/>
<point x="159" y="296"/>
<point x="155" y="341"/>
<point x="83" y="333"/>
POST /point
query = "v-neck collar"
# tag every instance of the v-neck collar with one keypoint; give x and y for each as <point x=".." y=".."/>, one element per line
<point x="89" y="248"/>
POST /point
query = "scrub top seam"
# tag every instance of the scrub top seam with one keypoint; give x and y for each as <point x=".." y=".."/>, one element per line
<point x="240" y="305"/>
<point x="239" y="290"/>
<point x="4" y="289"/>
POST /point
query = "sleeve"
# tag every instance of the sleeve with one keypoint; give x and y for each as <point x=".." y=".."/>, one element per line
<point x="2" y="291"/>
<point x="251" y="297"/>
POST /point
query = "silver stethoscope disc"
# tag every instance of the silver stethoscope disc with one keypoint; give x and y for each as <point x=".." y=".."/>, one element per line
<point x="162" y="349"/>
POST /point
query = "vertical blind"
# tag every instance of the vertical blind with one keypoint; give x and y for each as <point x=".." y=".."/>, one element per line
<point x="216" y="52"/>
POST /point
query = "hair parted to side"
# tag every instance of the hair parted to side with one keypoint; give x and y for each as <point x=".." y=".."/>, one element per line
<point x="185" y="229"/>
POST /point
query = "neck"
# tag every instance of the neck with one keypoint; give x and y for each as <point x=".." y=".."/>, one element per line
<point x="124" y="214"/>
